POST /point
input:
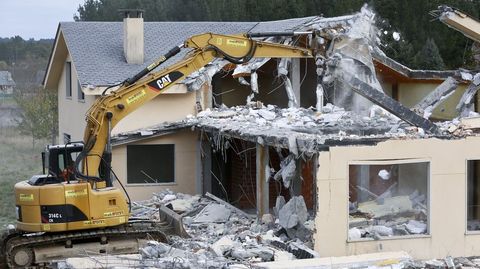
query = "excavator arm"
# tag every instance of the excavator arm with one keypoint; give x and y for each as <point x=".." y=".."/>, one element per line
<point x="459" y="21"/>
<point x="109" y="109"/>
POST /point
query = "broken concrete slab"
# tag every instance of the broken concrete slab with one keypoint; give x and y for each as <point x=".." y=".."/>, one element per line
<point x="213" y="213"/>
<point x="237" y="210"/>
<point x="279" y="203"/>
<point x="437" y="96"/>
<point x="293" y="212"/>
<point x="467" y="97"/>
<point x="416" y="227"/>
<point x="372" y="260"/>
<point x="389" y="104"/>
<point x="222" y="245"/>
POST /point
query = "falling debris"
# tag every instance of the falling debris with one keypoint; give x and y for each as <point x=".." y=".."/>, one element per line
<point x="384" y="174"/>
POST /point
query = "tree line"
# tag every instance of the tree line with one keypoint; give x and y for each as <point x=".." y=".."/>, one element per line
<point x="424" y="43"/>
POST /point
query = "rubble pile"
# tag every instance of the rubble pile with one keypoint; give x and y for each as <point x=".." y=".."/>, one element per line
<point x="221" y="234"/>
<point x="332" y="123"/>
<point x="388" y="216"/>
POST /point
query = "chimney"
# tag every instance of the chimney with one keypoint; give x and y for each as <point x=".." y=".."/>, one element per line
<point x="133" y="47"/>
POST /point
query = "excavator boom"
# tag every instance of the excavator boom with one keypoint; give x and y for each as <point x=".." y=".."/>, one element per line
<point x="460" y="21"/>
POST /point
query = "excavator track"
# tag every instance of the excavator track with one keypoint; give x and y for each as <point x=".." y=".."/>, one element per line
<point x="19" y="246"/>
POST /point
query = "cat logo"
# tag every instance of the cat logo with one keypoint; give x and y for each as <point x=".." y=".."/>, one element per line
<point x="164" y="81"/>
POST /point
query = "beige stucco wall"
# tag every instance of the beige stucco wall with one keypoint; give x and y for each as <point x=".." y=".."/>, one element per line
<point x="447" y="198"/>
<point x="410" y="94"/>
<point x="185" y="165"/>
<point x="165" y="107"/>
<point x="71" y="111"/>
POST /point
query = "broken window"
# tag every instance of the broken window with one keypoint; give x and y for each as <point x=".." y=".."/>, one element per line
<point x="473" y="195"/>
<point x="388" y="199"/>
<point x="147" y="164"/>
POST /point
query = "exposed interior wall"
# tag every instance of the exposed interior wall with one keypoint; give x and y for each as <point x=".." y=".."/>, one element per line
<point x="237" y="173"/>
<point x="228" y="91"/>
<point x="412" y="93"/>
<point x="185" y="165"/>
<point x="447" y="198"/>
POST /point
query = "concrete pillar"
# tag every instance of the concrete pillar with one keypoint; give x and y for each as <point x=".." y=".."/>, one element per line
<point x="295" y="78"/>
<point x="262" y="184"/>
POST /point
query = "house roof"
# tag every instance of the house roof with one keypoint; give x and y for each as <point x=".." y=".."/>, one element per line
<point x="6" y="79"/>
<point x="392" y="70"/>
<point x="298" y="129"/>
<point x="96" y="48"/>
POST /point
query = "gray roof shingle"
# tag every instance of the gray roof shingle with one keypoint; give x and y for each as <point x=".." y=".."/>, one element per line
<point x="6" y="79"/>
<point x="96" y="48"/>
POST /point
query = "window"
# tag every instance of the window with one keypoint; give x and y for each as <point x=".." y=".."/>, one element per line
<point x="66" y="138"/>
<point x="68" y="79"/>
<point x="81" y="95"/>
<point x="147" y="164"/>
<point x="473" y="195"/>
<point x="388" y="199"/>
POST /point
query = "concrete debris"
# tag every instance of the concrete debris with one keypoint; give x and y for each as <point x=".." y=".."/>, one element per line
<point x="436" y="97"/>
<point x="223" y="245"/>
<point x="287" y="170"/>
<point x="416" y="227"/>
<point x="254" y="82"/>
<point x="387" y="216"/>
<point x="391" y="206"/>
<point x="304" y="130"/>
<point x="279" y="203"/>
<point x="213" y="213"/>
<point x="293" y="213"/>
<point x="384" y="174"/>
<point x="268" y="219"/>
<point x="223" y="236"/>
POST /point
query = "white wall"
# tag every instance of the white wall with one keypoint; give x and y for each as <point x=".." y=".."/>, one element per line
<point x="447" y="198"/>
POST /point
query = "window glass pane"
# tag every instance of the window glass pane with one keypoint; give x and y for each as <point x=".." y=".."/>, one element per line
<point x="473" y="195"/>
<point x="68" y="79"/>
<point x="150" y="163"/>
<point x="388" y="200"/>
<point x="81" y="95"/>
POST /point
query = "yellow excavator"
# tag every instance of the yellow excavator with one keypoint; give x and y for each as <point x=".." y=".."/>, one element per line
<point x="75" y="205"/>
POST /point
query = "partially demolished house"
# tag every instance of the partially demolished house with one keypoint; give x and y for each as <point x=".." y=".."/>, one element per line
<point x="336" y="130"/>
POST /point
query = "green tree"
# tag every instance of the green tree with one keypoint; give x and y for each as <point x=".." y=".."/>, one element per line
<point x="409" y="17"/>
<point x="38" y="114"/>
<point x="429" y="57"/>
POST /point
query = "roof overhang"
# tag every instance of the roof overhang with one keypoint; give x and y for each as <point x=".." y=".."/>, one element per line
<point x="55" y="63"/>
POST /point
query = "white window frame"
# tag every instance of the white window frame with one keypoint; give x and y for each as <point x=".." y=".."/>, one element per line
<point x="389" y="162"/>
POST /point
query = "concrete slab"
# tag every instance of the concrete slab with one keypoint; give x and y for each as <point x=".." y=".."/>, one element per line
<point x="378" y="260"/>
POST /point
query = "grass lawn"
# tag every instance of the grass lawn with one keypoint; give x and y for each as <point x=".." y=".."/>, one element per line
<point x="18" y="161"/>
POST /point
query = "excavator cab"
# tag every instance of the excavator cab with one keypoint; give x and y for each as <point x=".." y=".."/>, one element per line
<point x="58" y="164"/>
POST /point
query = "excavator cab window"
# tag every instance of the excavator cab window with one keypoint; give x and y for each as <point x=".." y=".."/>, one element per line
<point x="59" y="161"/>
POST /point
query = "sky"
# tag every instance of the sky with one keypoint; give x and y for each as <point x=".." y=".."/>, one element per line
<point x="35" y="18"/>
